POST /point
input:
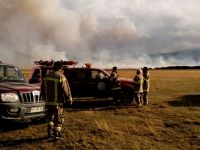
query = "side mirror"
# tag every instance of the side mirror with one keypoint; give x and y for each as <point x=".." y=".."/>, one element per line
<point x="106" y="77"/>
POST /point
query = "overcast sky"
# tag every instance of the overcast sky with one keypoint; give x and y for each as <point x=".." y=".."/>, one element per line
<point x="125" y="33"/>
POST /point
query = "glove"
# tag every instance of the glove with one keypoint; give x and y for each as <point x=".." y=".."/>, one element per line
<point x="70" y="100"/>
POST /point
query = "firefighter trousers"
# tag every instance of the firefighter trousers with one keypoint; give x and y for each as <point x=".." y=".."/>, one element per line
<point x="55" y="116"/>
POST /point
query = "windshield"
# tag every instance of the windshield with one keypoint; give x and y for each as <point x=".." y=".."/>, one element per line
<point x="10" y="74"/>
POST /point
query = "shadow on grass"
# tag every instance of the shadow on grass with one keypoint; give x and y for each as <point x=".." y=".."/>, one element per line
<point x="6" y="126"/>
<point x="78" y="105"/>
<point x="96" y="104"/>
<point x="25" y="140"/>
<point x="186" y="100"/>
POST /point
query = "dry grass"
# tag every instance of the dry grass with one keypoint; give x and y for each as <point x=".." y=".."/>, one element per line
<point x="170" y="121"/>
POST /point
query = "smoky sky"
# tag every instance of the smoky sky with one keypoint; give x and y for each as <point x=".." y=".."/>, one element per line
<point x="129" y="33"/>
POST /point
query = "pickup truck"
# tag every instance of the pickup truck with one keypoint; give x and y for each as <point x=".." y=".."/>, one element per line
<point x="83" y="81"/>
<point x="19" y="100"/>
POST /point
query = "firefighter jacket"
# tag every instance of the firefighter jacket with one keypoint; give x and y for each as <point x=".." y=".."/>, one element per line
<point x="146" y="83"/>
<point x="55" y="89"/>
<point x="138" y="83"/>
<point x="114" y="80"/>
<point x="114" y="76"/>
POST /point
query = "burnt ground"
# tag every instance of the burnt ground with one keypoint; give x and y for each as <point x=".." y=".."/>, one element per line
<point x="186" y="100"/>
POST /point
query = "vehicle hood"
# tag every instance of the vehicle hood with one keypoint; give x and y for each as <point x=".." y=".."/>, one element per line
<point x="9" y="86"/>
<point x="126" y="80"/>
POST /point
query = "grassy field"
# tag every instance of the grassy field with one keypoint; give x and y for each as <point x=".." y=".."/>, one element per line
<point x="170" y="121"/>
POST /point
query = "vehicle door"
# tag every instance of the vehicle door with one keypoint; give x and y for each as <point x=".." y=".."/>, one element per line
<point x="81" y="82"/>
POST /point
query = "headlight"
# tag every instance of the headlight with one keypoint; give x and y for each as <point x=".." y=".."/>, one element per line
<point x="9" y="97"/>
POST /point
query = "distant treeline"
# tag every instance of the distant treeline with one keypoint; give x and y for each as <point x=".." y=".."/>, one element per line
<point x="179" y="67"/>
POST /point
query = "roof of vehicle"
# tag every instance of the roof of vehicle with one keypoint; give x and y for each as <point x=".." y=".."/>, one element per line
<point x="66" y="64"/>
<point x="5" y="64"/>
<point x="51" y="63"/>
<point x="70" y="64"/>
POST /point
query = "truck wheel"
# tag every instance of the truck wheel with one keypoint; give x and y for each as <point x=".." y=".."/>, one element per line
<point x="127" y="97"/>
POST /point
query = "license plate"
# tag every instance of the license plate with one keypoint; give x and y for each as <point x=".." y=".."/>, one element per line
<point x="37" y="109"/>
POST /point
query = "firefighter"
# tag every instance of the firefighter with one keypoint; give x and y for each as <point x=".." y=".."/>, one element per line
<point x="146" y="85"/>
<point x="114" y="74"/>
<point x="99" y="75"/>
<point x="56" y="92"/>
<point x="138" y="87"/>
<point x="115" y="85"/>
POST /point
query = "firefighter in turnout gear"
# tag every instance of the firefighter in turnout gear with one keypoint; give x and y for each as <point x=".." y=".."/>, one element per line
<point x="115" y="85"/>
<point x="138" y="87"/>
<point x="56" y="92"/>
<point x="146" y="85"/>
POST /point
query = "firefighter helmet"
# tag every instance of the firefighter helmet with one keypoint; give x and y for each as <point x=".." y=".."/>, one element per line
<point x="139" y="71"/>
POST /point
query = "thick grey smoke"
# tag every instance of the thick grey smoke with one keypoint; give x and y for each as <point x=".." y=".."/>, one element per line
<point x="123" y="33"/>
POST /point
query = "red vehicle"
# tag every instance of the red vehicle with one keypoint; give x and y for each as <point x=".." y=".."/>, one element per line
<point x="19" y="101"/>
<point x="83" y="81"/>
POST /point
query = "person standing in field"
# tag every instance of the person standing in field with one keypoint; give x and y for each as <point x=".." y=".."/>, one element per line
<point x="114" y="74"/>
<point x="115" y="85"/>
<point x="138" y="87"/>
<point x="56" y="92"/>
<point x="146" y="85"/>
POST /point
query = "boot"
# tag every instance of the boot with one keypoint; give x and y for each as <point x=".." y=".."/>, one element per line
<point x="58" y="135"/>
<point x="50" y="135"/>
<point x="50" y="132"/>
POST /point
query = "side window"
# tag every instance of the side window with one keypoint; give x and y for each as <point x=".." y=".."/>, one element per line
<point x="94" y="73"/>
<point x="46" y="71"/>
<point x="80" y="74"/>
<point x="36" y="74"/>
<point x="11" y="72"/>
<point x="97" y="74"/>
<point x="75" y="74"/>
<point x="88" y="74"/>
<point x="1" y="72"/>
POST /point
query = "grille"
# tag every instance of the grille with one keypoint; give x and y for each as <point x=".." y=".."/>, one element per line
<point x="29" y="98"/>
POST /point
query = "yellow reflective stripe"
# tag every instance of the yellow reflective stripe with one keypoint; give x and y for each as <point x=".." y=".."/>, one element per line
<point x="63" y="79"/>
<point x="116" y="88"/>
<point x="45" y="90"/>
<point x="51" y="79"/>
<point x="51" y="123"/>
<point x="58" y="129"/>
<point x="56" y="81"/>
<point x="53" y="103"/>
<point x="56" y="91"/>
<point x="138" y="82"/>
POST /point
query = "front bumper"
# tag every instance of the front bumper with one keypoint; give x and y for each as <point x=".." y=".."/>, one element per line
<point x="19" y="112"/>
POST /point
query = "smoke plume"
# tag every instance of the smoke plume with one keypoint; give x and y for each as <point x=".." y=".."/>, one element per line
<point x="126" y="34"/>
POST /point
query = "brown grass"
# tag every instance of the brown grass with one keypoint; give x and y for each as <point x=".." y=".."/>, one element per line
<point x="170" y="121"/>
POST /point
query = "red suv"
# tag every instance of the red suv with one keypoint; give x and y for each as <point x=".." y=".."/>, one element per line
<point x="86" y="81"/>
<point x="19" y="101"/>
